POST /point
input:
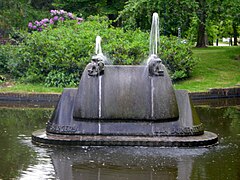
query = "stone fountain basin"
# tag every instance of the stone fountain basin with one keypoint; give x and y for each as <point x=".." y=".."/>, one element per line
<point x="125" y="106"/>
<point x="125" y="93"/>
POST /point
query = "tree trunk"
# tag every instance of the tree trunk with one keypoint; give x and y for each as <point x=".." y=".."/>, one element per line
<point x="202" y="14"/>
<point x="235" y="34"/>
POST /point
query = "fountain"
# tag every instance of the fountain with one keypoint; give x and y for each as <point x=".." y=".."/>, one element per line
<point x="125" y="106"/>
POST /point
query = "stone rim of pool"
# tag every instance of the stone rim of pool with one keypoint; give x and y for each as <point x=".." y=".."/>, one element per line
<point x="40" y="137"/>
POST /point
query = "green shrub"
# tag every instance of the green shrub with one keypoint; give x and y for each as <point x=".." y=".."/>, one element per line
<point x="177" y="56"/>
<point x="58" y="56"/>
<point x="7" y="55"/>
<point x="63" y="52"/>
<point x="3" y="58"/>
<point x="61" y="79"/>
<point x="2" y="79"/>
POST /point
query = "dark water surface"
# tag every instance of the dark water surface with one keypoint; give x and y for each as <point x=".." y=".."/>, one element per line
<point x="20" y="159"/>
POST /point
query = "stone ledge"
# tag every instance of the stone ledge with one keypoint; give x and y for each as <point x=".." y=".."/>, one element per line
<point x="29" y="97"/>
<point x="42" y="138"/>
<point x="213" y="93"/>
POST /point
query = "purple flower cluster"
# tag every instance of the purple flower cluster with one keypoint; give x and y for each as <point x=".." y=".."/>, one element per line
<point x="62" y="13"/>
<point x="38" y="25"/>
<point x="56" y="16"/>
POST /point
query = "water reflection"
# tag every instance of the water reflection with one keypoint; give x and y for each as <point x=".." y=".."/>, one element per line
<point x="16" y="126"/>
<point x="124" y="162"/>
<point x="43" y="167"/>
<point x="20" y="159"/>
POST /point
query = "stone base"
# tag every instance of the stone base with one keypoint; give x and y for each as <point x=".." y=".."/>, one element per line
<point x="63" y="122"/>
<point x="207" y="139"/>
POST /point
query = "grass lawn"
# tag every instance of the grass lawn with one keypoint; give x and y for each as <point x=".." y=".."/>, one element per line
<point x="29" y="88"/>
<point x="217" y="68"/>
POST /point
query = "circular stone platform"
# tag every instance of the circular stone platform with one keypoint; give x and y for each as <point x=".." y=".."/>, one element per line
<point x="207" y="139"/>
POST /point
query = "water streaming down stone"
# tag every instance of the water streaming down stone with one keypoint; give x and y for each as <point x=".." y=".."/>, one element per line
<point x="98" y="51"/>
<point x="125" y="105"/>
<point x="153" y="62"/>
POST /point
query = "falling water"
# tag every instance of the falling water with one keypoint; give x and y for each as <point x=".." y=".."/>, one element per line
<point x="152" y="99"/>
<point x="154" y="35"/>
<point x="98" y="51"/>
<point x="99" y="102"/>
<point x="100" y="96"/>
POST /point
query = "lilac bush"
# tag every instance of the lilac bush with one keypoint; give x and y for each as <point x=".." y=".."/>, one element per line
<point x="56" y="16"/>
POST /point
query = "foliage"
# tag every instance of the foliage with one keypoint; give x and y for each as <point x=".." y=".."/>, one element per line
<point x="8" y="54"/>
<point x="16" y="14"/>
<point x="197" y="19"/>
<point x="212" y="15"/>
<point x="3" y="58"/>
<point x="58" y="56"/>
<point x="191" y="32"/>
<point x="2" y="79"/>
<point x="61" y="78"/>
<point x="63" y="52"/>
<point x="86" y="8"/>
<point x="173" y="14"/>
<point x="216" y="68"/>
<point x="177" y="56"/>
<point x="41" y="4"/>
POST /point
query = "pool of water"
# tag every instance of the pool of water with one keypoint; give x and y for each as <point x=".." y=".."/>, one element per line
<point x="20" y="159"/>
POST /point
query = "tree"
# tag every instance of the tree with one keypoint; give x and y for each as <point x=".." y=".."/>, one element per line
<point x="202" y="15"/>
<point x="86" y="8"/>
<point x="186" y="14"/>
<point x="41" y="4"/>
<point x="217" y="12"/>
<point x="16" y="14"/>
<point x="209" y="13"/>
<point x="172" y="13"/>
<point x="233" y="14"/>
